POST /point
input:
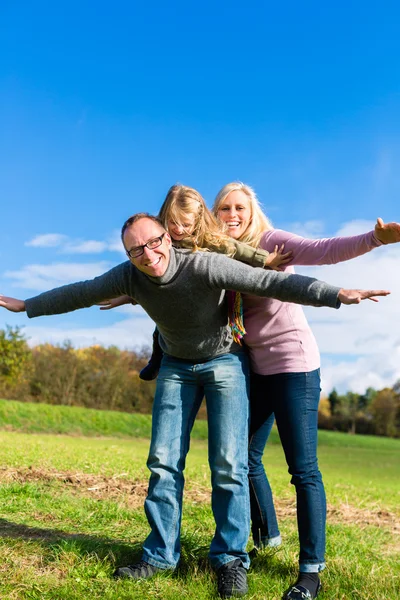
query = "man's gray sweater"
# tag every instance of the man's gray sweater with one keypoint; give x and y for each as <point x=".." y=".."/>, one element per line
<point x="187" y="303"/>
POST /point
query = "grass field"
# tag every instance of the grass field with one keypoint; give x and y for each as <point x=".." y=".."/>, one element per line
<point x="72" y="508"/>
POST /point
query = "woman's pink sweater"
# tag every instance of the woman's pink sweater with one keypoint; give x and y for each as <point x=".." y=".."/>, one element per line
<point x="278" y="335"/>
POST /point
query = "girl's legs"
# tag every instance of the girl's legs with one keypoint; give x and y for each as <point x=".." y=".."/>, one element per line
<point x="264" y="524"/>
<point x="150" y="371"/>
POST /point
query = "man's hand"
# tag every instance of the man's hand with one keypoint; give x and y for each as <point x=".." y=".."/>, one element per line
<point x="12" y="304"/>
<point x="387" y="233"/>
<point x="355" y="296"/>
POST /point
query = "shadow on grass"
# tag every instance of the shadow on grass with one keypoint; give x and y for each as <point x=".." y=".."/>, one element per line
<point x="116" y="551"/>
<point x="270" y="562"/>
<point x="194" y="555"/>
<point x="81" y="543"/>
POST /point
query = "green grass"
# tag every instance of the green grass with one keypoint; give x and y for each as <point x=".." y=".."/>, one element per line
<point x="72" y="420"/>
<point x="71" y="509"/>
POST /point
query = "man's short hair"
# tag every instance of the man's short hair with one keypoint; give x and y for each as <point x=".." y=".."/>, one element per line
<point x="137" y="217"/>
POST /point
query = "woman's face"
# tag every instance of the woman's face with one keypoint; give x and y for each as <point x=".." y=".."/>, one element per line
<point x="178" y="231"/>
<point x="235" y="212"/>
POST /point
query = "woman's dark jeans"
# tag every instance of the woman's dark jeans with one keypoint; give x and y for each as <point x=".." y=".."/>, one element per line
<point x="293" y="398"/>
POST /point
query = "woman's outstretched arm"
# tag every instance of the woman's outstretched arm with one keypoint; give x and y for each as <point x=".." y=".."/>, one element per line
<point x="328" y="251"/>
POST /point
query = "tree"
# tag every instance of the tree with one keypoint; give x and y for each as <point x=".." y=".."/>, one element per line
<point x="15" y="356"/>
<point x="334" y="401"/>
<point x="384" y="408"/>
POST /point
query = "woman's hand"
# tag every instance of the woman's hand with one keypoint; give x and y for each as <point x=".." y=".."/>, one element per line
<point x="387" y="233"/>
<point x="277" y="258"/>
<point x="114" y="302"/>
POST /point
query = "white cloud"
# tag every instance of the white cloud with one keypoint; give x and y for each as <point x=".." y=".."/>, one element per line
<point x="355" y="227"/>
<point x="309" y="229"/>
<point x="47" y="240"/>
<point x="132" y="333"/>
<point x="88" y="247"/>
<point x="115" y="243"/>
<point x="378" y="371"/>
<point x="45" y="277"/>
<point x="67" y="245"/>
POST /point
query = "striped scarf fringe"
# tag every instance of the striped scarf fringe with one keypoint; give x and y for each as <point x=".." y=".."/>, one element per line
<point x="235" y="308"/>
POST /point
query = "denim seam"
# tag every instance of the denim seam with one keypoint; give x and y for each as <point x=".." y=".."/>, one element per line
<point x="254" y="492"/>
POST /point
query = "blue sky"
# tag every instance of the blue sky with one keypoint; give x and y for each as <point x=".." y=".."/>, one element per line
<point x="104" y="106"/>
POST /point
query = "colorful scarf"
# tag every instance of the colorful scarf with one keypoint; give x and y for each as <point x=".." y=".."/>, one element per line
<point x="235" y="318"/>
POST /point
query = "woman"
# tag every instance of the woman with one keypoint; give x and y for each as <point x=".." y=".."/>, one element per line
<point x="285" y="378"/>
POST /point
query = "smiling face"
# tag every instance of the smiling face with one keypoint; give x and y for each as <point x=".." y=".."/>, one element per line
<point x="152" y="262"/>
<point x="183" y="227"/>
<point x="235" y="212"/>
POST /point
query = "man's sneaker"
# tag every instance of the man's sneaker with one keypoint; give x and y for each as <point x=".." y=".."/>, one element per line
<point x="140" y="570"/>
<point x="232" y="579"/>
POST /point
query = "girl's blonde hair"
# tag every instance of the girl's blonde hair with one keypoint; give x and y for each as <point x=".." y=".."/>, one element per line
<point x="259" y="222"/>
<point x="181" y="201"/>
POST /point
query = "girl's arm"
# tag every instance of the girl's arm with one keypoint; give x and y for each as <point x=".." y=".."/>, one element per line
<point x="328" y="251"/>
<point x="114" y="302"/>
<point x="256" y="257"/>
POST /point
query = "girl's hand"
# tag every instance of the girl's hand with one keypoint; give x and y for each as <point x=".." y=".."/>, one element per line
<point x="387" y="233"/>
<point x="277" y="258"/>
<point x="12" y="304"/>
<point x="114" y="302"/>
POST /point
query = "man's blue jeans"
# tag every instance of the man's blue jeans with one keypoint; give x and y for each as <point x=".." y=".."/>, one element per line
<point x="294" y="398"/>
<point x="181" y="386"/>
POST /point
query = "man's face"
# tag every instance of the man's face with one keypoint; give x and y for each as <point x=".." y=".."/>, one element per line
<point x="151" y="262"/>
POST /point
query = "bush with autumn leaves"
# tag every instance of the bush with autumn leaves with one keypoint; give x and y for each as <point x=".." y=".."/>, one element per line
<point x="108" y="378"/>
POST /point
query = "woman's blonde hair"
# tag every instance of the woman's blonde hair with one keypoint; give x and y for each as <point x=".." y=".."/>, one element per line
<point x="259" y="222"/>
<point x="182" y="200"/>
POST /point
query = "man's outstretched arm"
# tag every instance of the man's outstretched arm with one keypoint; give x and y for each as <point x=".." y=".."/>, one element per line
<point x="355" y="296"/>
<point x="75" y="295"/>
<point x="287" y="287"/>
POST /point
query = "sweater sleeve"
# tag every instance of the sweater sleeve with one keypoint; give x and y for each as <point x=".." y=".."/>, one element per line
<point x="225" y="273"/>
<point x="83" y="294"/>
<point x="255" y="257"/>
<point x="325" y="251"/>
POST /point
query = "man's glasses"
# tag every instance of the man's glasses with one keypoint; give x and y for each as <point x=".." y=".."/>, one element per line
<point x="151" y="245"/>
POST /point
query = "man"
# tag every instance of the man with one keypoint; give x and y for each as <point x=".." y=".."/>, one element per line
<point x="183" y="292"/>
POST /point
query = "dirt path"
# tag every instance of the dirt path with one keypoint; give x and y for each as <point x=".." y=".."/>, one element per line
<point x="133" y="492"/>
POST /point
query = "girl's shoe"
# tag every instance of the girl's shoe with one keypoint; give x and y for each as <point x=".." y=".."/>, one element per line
<point x="150" y="371"/>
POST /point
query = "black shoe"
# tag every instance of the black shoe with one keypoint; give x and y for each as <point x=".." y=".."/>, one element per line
<point x="150" y="371"/>
<point x="140" y="570"/>
<point x="232" y="579"/>
<point x="298" y="592"/>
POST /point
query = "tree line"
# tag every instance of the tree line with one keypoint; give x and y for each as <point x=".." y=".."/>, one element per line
<point x="375" y="412"/>
<point x="108" y="379"/>
<point x="94" y="377"/>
